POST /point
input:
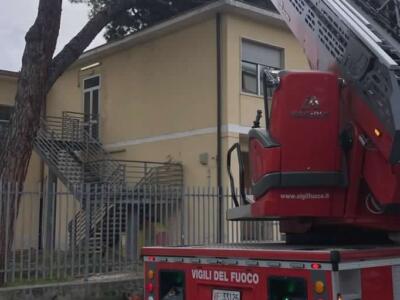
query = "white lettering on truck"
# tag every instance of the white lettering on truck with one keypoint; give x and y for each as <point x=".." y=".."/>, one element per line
<point x="201" y="274"/>
<point x="250" y="278"/>
<point x="226" y="276"/>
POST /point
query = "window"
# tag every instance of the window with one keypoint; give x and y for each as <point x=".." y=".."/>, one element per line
<point x="91" y="82"/>
<point x="91" y="105"/>
<point x="5" y="116"/>
<point x="5" y="113"/>
<point x="249" y="77"/>
<point x="287" y="288"/>
<point x="172" y="285"/>
<point x="255" y="58"/>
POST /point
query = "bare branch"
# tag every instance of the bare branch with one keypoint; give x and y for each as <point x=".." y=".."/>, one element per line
<point x="82" y="40"/>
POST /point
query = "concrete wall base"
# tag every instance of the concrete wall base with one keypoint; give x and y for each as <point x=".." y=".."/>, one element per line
<point x="112" y="287"/>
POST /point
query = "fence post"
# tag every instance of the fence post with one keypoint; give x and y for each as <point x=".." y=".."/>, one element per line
<point x="7" y="213"/>
<point x="133" y="229"/>
<point x="86" y="196"/>
<point x="220" y="192"/>
<point x="182" y="206"/>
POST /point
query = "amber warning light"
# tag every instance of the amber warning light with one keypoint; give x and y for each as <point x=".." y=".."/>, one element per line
<point x="150" y="274"/>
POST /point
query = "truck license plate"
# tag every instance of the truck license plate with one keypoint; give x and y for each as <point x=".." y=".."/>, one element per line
<point x="225" y="295"/>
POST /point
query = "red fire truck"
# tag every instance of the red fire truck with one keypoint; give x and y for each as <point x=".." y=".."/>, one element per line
<point x="272" y="272"/>
<point x="326" y="165"/>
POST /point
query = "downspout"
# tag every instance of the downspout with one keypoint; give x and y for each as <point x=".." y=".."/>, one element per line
<point x="219" y="130"/>
<point x="41" y="186"/>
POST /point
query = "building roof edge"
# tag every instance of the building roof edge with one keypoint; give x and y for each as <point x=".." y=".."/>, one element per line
<point x="9" y="74"/>
<point x="193" y="16"/>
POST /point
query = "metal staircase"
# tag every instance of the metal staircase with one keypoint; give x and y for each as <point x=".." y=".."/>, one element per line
<point x="65" y="144"/>
<point x="83" y="165"/>
<point x="106" y="207"/>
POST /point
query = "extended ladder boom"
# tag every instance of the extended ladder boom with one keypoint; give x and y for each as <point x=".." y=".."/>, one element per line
<point x="350" y="39"/>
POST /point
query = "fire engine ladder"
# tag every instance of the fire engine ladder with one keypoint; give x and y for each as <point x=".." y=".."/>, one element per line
<point x="360" y="38"/>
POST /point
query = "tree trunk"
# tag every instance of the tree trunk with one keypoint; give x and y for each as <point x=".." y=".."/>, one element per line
<point x="41" y="41"/>
<point x="38" y="74"/>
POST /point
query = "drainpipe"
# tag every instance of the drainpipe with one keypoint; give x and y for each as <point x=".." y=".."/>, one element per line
<point x="41" y="242"/>
<point x="219" y="130"/>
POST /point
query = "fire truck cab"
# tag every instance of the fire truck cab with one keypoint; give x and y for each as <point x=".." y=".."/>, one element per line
<point x="272" y="272"/>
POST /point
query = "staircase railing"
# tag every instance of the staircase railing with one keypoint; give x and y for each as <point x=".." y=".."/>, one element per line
<point x="66" y="168"/>
<point x="87" y="169"/>
<point x="150" y="173"/>
<point x="77" y="227"/>
<point x="96" y="159"/>
<point x="142" y="178"/>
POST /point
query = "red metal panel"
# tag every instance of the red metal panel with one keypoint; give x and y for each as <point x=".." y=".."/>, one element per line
<point x="377" y="283"/>
<point x="299" y="202"/>
<point x="263" y="160"/>
<point x="329" y="286"/>
<point x="305" y="122"/>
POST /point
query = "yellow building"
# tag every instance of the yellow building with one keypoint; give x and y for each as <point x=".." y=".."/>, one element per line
<point x="158" y="93"/>
<point x="8" y="88"/>
<point x="182" y="91"/>
<point x="162" y="94"/>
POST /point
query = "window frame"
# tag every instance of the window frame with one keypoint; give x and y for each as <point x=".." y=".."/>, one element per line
<point x="4" y="124"/>
<point x="91" y="90"/>
<point x="259" y="66"/>
<point x="242" y="77"/>
<point x="11" y="108"/>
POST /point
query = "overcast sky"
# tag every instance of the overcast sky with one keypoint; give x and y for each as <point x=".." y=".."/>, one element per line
<point x="16" y="16"/>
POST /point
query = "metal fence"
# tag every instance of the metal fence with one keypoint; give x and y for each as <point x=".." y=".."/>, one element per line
<point x="61" y="236"/>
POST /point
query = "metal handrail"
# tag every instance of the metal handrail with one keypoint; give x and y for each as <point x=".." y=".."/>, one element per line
<point x="51" y="152"/>
<point x="71" y="129"/>
<point x="160" y="173"/>
<point x="77" y="158"/>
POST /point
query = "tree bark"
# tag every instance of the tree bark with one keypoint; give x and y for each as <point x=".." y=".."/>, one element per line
<point x="41" y="41"/>
<point x="38" y="74"/>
